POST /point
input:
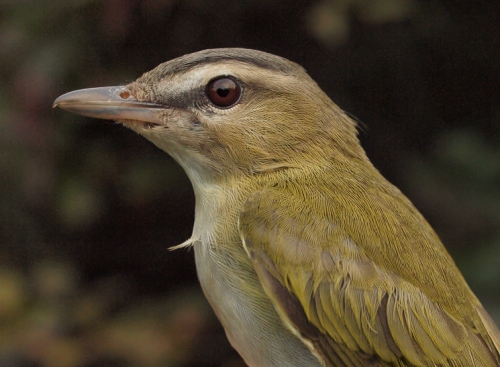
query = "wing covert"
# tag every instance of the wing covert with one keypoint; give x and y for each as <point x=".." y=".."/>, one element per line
<point x="348" y="309"/>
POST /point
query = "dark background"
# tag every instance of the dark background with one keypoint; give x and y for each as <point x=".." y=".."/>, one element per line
<point x="88" y="209"/>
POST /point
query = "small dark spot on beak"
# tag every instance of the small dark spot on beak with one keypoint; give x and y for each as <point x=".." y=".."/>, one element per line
<point x="125" y="94"/>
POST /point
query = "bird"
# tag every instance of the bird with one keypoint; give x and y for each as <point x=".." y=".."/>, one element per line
<point x="306" y="253"/>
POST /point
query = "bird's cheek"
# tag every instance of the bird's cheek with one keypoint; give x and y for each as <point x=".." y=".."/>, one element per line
<point x="179" y="126"/>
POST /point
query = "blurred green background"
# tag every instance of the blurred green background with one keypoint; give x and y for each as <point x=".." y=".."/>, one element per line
<point x="88" y="209"/>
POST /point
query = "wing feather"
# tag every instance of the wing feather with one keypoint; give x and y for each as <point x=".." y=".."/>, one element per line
<point x="349" y="309"/>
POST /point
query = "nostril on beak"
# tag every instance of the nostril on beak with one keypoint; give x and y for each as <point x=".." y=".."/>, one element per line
<point x="125" y="94"/>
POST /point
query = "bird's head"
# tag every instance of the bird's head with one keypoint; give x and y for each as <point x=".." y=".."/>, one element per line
<point x="227" y="112"/>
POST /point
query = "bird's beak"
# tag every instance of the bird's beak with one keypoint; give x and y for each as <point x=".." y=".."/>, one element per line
<point x="109" y="103"/>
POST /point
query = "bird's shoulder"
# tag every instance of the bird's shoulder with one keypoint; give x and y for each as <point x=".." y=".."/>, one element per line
<point x="356" y="216"/>
<point x="357" y="265"/>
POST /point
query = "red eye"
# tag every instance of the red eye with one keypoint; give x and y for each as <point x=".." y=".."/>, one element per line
<point x="223" y="91"/>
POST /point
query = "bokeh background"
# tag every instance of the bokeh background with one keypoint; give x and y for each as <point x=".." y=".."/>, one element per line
<point x="88" y="209"/>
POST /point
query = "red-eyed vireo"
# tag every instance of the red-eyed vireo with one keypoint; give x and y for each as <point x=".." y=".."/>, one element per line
<point x="308" y="256"/>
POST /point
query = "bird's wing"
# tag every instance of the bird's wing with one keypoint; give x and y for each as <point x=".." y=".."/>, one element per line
<point x="348" y="309"/>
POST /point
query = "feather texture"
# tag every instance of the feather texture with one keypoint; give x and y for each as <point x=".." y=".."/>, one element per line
<point x="329" y="262"/>
<point x="359" y="308"/>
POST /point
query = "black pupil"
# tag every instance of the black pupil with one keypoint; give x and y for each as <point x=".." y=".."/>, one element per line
<point x="223" y="91"/>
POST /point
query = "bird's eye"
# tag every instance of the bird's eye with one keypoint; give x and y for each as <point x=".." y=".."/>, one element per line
<point x="223" y="91"/>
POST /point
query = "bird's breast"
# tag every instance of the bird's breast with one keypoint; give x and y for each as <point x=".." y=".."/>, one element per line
<point x="246" y="313"/>
<point x="234" y="291"/>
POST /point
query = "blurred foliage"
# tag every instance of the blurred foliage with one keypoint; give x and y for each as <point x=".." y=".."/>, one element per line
<point x="88" y="209"/>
